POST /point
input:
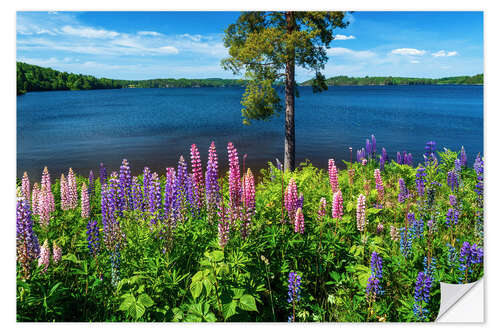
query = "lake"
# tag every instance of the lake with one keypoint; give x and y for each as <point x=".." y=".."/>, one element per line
<point x="153" y="127"/>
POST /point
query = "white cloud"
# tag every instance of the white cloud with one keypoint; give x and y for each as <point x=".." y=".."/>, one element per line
<point x="344" y="37"/>
<point x="414" y="61"/>
<point x="149" y="33"/>
<point x="169" y="50"/>
<point x="88" y="32"/>
<point x="408" y="52"/>
<point x="195" y="38"/>
<point x="342" y="51"/>
<point x="443" y="53"/>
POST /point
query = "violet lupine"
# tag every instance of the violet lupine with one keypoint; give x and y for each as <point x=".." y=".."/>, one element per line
<point x="64" y="191"/>
<point x="333" y="175"/>
<point x="103" y="175"/>
<point x="379" y="184"/>
<point x="452" y="180"/>
<point x="85" y="204"/>
<point x="463" y="158"/>
<point x="169" y="192"/>
<point x="26" y="241"/>
<point x="337" y="205"/>
<point x="34" y="198"/>
<point x="300" y="200"/>
<point x="361" y="155"/>
<point x="420" y="181"/>
<point x="382" y="163"/>
<point x="373" y="286"/>
<point x="374" y="145"/>
<point x="72" y="190"/>
<point x="44" y="258"/>
<point x="125" y="178"/>
<point x="469" y="255"/>
<point x="322" y="209"/>
<point x="299" y="221"/>
<point x="93" y="240"/>
<point x="399" y="159"/>
<point x="234" y="178"/>
<point x="197" y="171"/>
<point x="91" y="188"/>
<point x="291" y="198"/>
<point x="384" y="155"/>
<point x="408" y="159"/>
<point x="180" y="193"/>
<point x="430" y="148"/>
<point x="112" y="234"/>
<point x="403" y="191"/>
<point x="25" y="186"/>
<point x="154" y="199"/>
<point x="479" y="168"/>
<point x="421" y="296"/>
<point x="146" y="180"/>
<point x="360" y="213"/>
<point x="56" y="253"/>
<point x="137" y="195"/>
<point x="452" y="217"/>
<point x="294" y="289"/>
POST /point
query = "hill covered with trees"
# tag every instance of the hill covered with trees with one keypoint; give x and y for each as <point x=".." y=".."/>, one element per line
<point x="390" y="80"/>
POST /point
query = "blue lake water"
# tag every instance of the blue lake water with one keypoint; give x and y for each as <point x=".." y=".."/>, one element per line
<point x="153" y="127"/>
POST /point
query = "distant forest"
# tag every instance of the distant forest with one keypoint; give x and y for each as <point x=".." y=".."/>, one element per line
<point x="390" y="80"/>
<point x="36" y="78"/>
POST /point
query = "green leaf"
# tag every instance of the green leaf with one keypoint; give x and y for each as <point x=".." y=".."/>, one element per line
<point x="197" y="277"/>
<point x="136" y="310"/>
<point x="217" y="256"/>
<point x="247" y="303"/>
<point x="229" y="309"/>
<point x="208" y="286"/>
<point x="128" y="301"/>
<point x="196" y="288"/>
<point x="145" y="300"/>
<point x="238" y="292"/>
<point x="71" y="257"/>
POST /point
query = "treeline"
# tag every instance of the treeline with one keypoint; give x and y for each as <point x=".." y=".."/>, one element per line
<point x="36" y="78"/>
<point x="390" y="80"/>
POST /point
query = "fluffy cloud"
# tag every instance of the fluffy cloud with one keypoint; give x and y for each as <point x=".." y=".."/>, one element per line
<point x="88" y="32"/>
<point x="408" y="52"/>
<point x="148" y="33"/>
<point x="443" y="53"/>
<point x="344" y="37"/>
<point x="342" y="51"/>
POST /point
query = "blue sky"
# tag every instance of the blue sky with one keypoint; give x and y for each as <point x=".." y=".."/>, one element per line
<point x="146" y="45"/>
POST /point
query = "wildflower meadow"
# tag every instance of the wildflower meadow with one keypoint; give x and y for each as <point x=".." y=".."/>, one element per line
<point x="368" y="242"/>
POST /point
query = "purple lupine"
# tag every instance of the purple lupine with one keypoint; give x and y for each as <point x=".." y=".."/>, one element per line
<point x="384" y="155"/>
<point x="124" y="193"/>
<point x="44" y="258"/>
<point x="300" y="200"/>
<point x="422" y="296"/>
<point x="453" y="200"/>
<point x="368" y="148"/>
<point x="137" y="195"/>
<point x="373" y="286"/>
<point x="382" y="163"/>
<point x="294" y="289"/>
<point x="26" y="244"/>
<point x="111" y="227"/>
<point x="463" y="158"/>
<point x="403" y="191"/>
<point x="169" y="192"/>
<point x="430" y="148"/>
<point x="85" y="204"/>
<point x="374" y="145"/>
<point x="146" y="180"/>
<point x="25" y="186"/>
<point x="452" y="217"/>
<point x="103" y="175"/>
<point x="91" y="188"/>
<point x="399" y="159"/>
<point x="408" y="159"/>
<point x="290" y="200"/>
<point x="197" y="171"/>
<point x="180" y="193"/>
<point x="72" y="190"/>
<point x="469" y="255"/>
<point x="299" y="221"/>
<point x="93" y="240"/>
<point x="452" y="180"/>
<point x="360" y="213"/>
<point x="154" y="198"/>
<point x="361" y="155"/>
<point x="420" y="181"/>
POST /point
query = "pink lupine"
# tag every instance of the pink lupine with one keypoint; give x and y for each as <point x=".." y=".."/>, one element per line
<point x="291" y="200"/>
<point x="234" y="178"/>
<point x="337" y="205"/>
<point x="333" y="174"/>
<point x="34" y="199"/>
<point x="72" y="190"/>
<point x="197" y="173"/>
<point x="47" y="186"/>
<point x="248" y="200"/>
<point x="299" y="221"/>
<point x="44" y="204"/>
<point x="25" y="186"/>
<point x="44" y="258"/>
<point x="64" y="193"/>
<point x="360" y="213"/>
<point x="322" y="209"/>
<point x="85" y="204"/>
<point x="379" y="185"/>
<point x="56" y="253"/>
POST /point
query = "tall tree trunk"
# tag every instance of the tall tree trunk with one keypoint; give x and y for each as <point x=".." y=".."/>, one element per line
<point x="290" y="101"/>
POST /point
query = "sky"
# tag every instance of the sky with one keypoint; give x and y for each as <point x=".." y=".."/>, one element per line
<point x="147" y="45"/>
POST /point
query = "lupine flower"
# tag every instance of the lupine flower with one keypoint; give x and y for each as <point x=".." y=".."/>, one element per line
<point x="429" y="148"/>
<point x="403" y="191"/>
<point x="72" y="190"/>
<point x="373" y="287"/>
<point x="421" y="296"/>
<point x="137" y="195"/>
<point x="26" y="241"/>
<point x="333" y="175"/>
<point x="384" y="155"/>
<point x="44" y="205"/>
<point x="364" y="162"/>
<point x="299" y="221"/>
<point x="85" y="202"/>
<point x="399" y="159"/>
<point x="382" y="163"/>
<point x="103" y="175"/>
<point x="368" y="147"/>
<point x="234" y="177"/>
<point x="420" y="181"/>
<point x="154" y="199"/>
<point x="44" y="258"/>
<point x="197" y="171"/>
<point x="429" y="268"/>
<point x="223" y="226"/>
<point x="56" y="253"/>
<point x="248" y="199"/>
<point x="47" y="190"/>
<point x="211" y="183"/>
<point x="34" y="199"/>
<point x="180" y="192"/>
<point x="146" y="180"/>
<point x="91" y="188"/>
<point x="418" y="227"/>
<point x="452" y="180"/>
<point x="380" y="228"/>
<point x="374" y="145"/>
<point x="291" y="198"/>
<point x="360" y="213"/>
<point x="294" y="289"/>
<point x="93" y="239"/>
<point x="452" y="217"/>
<point x="452" y="255"/>
<point x="478" y="167"/>
<point x="463" y="157"/>
<point x="111" y="227"/>
<point x="322" y="209"/>
<point x="25" y="186"/>
<point x="406" y="241"/>
<point x="115" y="258"/>
<point x="300" y="200"/>
<point x="379" y="185"/>
<point x="337" y="205"/>
<point x="408" y="159"/>
<point x="361" y="154"/>
<point x="394" y="233"/>
<point x="64" y="190"/>
<point x="125" y="178"/>
<point x="169" y="192"/>
<point x="469" y="255"/>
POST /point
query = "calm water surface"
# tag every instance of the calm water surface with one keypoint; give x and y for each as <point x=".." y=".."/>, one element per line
<point x="153" y="127"/>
